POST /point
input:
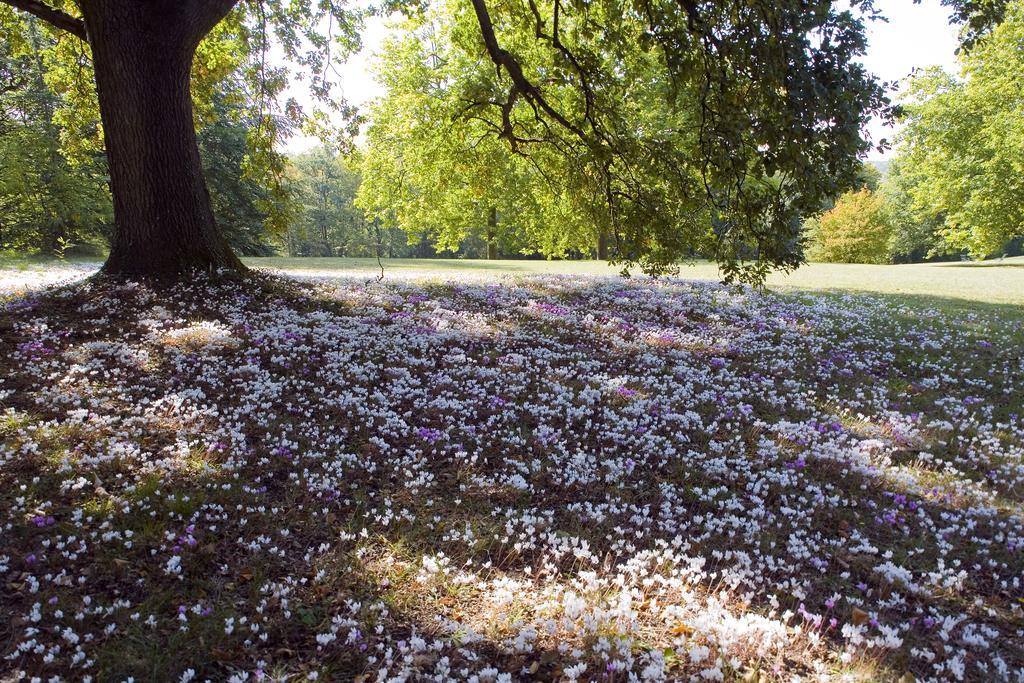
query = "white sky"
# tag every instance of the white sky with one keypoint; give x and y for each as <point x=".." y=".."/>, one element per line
<point x="916" y="36"/>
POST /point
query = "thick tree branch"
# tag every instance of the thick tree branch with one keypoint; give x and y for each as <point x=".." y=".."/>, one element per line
<point x="209" y="13"/>
<point x="52" y="16"/>
<point x="505" y="60"/>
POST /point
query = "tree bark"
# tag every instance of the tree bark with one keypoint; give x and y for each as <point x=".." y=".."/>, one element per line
<point x="602" y="246"/>
<point x="142" y="56"/>
<point x="492" y="242"/>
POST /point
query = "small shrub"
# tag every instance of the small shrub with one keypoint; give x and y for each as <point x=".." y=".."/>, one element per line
<point x="855" y="230"/>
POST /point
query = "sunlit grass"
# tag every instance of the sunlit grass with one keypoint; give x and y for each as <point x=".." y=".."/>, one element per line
<point x="992" y="282"/>
<point x="952" y="286"/>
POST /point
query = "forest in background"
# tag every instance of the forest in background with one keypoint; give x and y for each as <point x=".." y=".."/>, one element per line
<point x="412" y="190"/>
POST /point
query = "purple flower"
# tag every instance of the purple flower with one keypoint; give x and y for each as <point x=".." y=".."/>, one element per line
<point x="35" y="349"/>
<point x="20" y="305"/>
<point x="551" y="309"/>
<point x="428" y="434"/>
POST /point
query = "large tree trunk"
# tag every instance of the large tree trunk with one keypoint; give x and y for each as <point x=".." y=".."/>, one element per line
<point x="142" y="55"/>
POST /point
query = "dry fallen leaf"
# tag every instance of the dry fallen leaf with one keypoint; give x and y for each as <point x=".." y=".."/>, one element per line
<point x="682" y="630"/>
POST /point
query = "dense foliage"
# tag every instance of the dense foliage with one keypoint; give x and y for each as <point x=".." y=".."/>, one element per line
<point x="428" y="169"/>
<point x="327" y="222"/>
<point x="628" y="120"/>
<point x="244" y="206"/>
<point x="964" y="141"/>
<point x="914" y="231"/>
<point x="433" y="170"/>
<point x="558" y="128"/>
<point x="953" y="190"/>
<point x="855" y="230"/>
<point x="237" y="101"/>
<point x="49" y="200"/>
<point x="54" y="195"/>
<point x="637" y="106"/>
<point x="53" y="177"/>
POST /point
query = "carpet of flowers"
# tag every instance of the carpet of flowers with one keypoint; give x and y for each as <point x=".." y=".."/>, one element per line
<point x="542" y="478"/>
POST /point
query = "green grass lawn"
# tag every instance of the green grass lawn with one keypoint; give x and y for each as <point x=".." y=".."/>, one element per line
<point x="948" y="284"/>
<point x="952" y="285"/>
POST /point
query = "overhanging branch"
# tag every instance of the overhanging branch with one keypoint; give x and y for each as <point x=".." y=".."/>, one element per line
<point x="504" y="60"/>
<point x="50" y="15"/>
<point x="209" y="13"/>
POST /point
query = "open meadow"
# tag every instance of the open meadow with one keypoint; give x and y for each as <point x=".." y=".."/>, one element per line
<point x="963" y="284"/>
<point x="513" y="471"/>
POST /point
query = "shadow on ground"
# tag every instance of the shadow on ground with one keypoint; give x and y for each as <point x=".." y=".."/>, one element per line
<point x="351" y="470"/>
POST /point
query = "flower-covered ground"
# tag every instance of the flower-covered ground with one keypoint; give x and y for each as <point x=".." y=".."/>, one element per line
<point x="544" y="478"/>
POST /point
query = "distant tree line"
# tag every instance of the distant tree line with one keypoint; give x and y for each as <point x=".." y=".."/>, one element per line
<point x="954" y="188"/>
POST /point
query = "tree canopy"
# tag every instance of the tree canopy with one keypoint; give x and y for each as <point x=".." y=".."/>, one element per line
<point x="665" y="117"/>
<point x="963" y="144"/>
<point x="429" y="169"/>
<point x="639" y="109"/>
<point x="49" y="198"/>
<point x="855" y="230"/>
